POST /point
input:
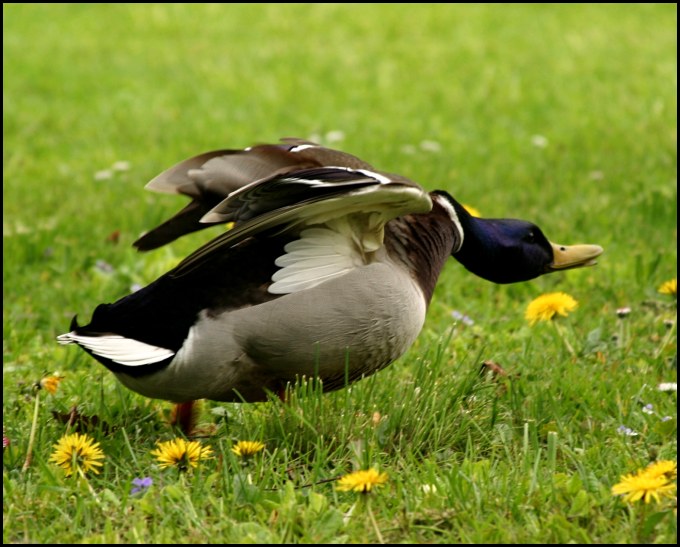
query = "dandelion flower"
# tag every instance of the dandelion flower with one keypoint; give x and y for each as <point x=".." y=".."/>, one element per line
<point x="474" y="212"/>
<point x="50" y="383"/>
<point x="181" y="454"/>
<point x="547" y="306"/>
<point x="670" y="287"/>
<point x="643" y="487"/>
<point x="429" y="488"/>
<point x="77" y="452"/>
<point x="361" y="481"/>
<point x="662" y="468"/>
<point x="245" y="449"/>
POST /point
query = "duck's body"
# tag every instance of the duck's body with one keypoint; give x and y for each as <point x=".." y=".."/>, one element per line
<point x="327" y="273"/>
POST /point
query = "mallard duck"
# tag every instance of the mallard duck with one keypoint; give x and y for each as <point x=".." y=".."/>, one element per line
<point x="327" y="273"/>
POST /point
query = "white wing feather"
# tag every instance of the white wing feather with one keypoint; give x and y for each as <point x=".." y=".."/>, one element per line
<point x="319" y="255"/>
<point x="121" y="350"/>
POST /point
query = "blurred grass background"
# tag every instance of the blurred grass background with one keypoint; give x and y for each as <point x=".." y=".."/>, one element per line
<point x="561" y="114"/>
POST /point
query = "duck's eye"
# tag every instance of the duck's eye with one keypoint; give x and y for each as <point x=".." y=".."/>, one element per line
<point x="530" y="237"/>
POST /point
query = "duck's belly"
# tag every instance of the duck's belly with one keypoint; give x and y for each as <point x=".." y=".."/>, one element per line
<point x="342" y="329"/>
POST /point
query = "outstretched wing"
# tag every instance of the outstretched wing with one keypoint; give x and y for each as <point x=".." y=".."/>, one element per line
<point x="210" y="177"/>
<point x="352" y="205"/>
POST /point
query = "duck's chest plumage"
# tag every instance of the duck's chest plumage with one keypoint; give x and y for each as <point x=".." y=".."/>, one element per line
<point x="338" y="331"/>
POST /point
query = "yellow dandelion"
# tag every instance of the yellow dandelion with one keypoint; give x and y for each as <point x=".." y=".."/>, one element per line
<point x="181" y="454"/>
<point x="670" y="287"/>
<point x="361" y="481"/>
<point x="662" y="468"/>
<point x="245" y="449"/>
<point x="50" y="383"/>
<point x="474" y="212"/>
<point x="547" y="306"/>
<point x="77" y="453"/>
<point x="643" y="487"/>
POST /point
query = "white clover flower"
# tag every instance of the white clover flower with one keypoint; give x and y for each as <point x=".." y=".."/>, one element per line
<point x="430" y="146"/>
<point x="121" y="166"/>
<point x="104" y="174"/>
<point x="335" y="135"/>
<point x="539" y="141"/>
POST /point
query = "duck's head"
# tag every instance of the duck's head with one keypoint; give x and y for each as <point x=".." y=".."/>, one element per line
<point x="511" y="250"/>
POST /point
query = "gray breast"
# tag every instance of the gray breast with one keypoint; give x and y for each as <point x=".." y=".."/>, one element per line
<point x="361" y="321"/>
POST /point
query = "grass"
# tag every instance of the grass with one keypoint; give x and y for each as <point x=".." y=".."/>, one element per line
<point x="562" y="114"/>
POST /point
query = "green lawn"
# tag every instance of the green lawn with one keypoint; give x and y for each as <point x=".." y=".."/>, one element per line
<point x="561" y="114"/>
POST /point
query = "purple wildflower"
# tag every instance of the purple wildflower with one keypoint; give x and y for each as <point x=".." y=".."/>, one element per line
<point x="104" y="267"/>
<point x="627" y="431"/>
<point x="459" y="316"/>
<point x="141" y="485"/>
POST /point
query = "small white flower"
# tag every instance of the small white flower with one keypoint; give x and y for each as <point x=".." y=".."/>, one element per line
<point x="104" y="174"/>
<point x="623" y="312"/>
<point x="335" y="136"/>
<point x="666" y="418"/>
<point x="430" y="146"/>
<point x="103" y="266"/>
<point x="627" y="431"/>
<point x="460" y="316"/>
<point x="648" y="409"/>
<point x="539" y="141"/>
<point x="121" y="166"/>
<point x="668" y="386"/>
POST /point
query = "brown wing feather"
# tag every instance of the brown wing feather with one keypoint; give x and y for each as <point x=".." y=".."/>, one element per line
<point x="210" y="177"/>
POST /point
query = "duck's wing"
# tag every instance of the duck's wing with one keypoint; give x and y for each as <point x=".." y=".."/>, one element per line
<point x="322" y="207"/>
<point x="293" y="232"/>
<point x="210" y="177"/>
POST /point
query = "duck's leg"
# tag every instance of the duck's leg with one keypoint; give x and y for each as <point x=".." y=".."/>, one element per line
<point x="185" y="416"/>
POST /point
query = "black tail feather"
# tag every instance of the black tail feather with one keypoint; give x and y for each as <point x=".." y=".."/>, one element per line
<point x="74" y="323"/>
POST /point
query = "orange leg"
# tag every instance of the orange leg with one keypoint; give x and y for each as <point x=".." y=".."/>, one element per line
<point x="184" y="416"/>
